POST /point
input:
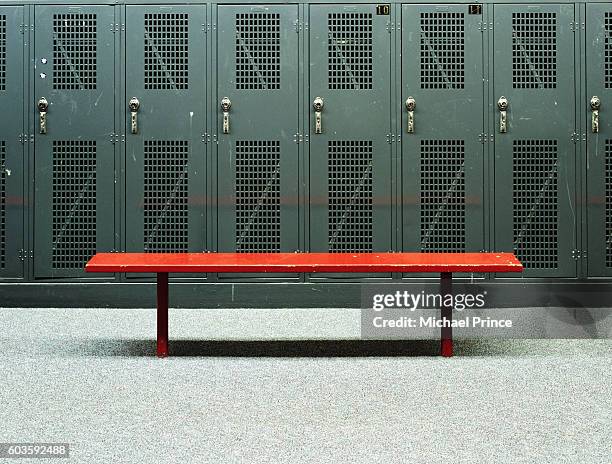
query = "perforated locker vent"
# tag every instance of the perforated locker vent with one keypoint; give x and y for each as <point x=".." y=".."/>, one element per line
<point x="609" y="203"/>
<point x="258" y="51"/>
<point x="349" y="51"/>
<point x="535" y="208"/>
<point x="166" y="51"/>
<point x="75" y="56"/>
<point x="608" y="50"/>
<point x="2" y="52"/>
<point x="350" y="196"/>
<point x="2" y="203"/>
<point x="442" y="51"/>
<point x="258" y="225"/>
<point x="534" y="50"/>
<point x="443" y="195"/>
<point x="74" y="203"/>
<point x="166" y="195"/>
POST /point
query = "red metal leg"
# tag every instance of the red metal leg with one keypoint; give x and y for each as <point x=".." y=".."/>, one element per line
<point x="446" y="288"/>
<point x="162" y="314"/>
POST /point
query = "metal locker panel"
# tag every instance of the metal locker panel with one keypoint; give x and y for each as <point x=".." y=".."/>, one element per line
<point x="12" y="200"/>
<point x="535" y="155"/>
<point x="165" y="104"/>
<point x="74" y="153"/>
<point x="257" y="69"/>
<point x="442" y="153"/>
<point x="599" y="138"/>
<point x="350" y="159"/>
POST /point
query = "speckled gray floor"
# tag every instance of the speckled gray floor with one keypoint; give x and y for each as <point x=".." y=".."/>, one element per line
<point x="88" y="377"/>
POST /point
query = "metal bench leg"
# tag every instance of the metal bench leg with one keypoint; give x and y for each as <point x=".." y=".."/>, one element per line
<point x="162" y="314"/>
<point x="446" y="288"/>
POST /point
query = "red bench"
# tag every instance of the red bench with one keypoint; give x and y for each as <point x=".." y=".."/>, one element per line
<point x="163" y="263"/>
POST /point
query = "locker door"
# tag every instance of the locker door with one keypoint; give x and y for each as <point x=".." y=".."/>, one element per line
<point x="442" y="154"/>
<point x="74" y="157"/>
<point x="350" y="160"/>
<point x="257" y="154"/>
<point x="535" y="157"/>
<point x="165" y="167"/>
<point x="599" y="144"/>
<point x="11" y="150"/>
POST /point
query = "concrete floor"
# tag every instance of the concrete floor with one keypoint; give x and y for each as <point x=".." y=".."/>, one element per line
<point x="88" y="377"/>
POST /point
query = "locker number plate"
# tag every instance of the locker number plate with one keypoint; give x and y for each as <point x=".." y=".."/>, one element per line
<point x="383" y="9"/>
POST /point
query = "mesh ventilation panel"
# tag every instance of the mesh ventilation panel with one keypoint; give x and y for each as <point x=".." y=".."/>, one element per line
<point x="75" y="60"/>
<point x="74" y="203"/>
<point x="2" y="204"/>
<point x="166" y="51"/>
<point x="258" y="196"/>
<point x="535" y="208"/>
<point x="349" y="51"/>
<point x="609" y="203"/>
<point x="534" y="50"/>
<point x="350" y="196"/>
<point x="608" y="50"/>
<point x="2" y="52"/>
<point x="443" y="195"/>
<point x="442" y="51"/>
<point x="166" y="196"/>
<point x="258" y="51"/>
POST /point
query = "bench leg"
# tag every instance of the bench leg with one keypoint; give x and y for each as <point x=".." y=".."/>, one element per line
<point x="162" y="314"/>
<point x="446" y="288"/>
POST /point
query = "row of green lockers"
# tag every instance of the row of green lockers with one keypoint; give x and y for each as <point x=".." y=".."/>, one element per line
<point x="295" y="127"/>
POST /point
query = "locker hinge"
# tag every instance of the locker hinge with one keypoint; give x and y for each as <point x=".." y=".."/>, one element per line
<point x="298" y="138"/>
<point x="391" y="138"/>
<point x="574" y="26"/>
<point x="22" y="253"/>
<point x="23" y="138"/>
<point x="575" y="138"/>
<point x="578" y="254"/>
<point x="390" y="26"/>
<point x="115" y="27"/>
<point x="114" y="138"/>
<point x="22" y="28"/>
<point x="206" y="28"/>
<point x="299" y="26"/>
<point x="481" y="138"/>
<point x="206" y="138"/>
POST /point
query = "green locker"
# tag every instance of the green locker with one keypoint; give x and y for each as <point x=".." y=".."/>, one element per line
<point x="74" y="151"/>
<point x="599" y="137"/>
<point x="257" y="123"/>
<point x="12" y="199"/>
<point x="442" y="149"/>
<point x="534" y="88"/>
<point x="165" y="116"/>
<point x="350" y="151"/>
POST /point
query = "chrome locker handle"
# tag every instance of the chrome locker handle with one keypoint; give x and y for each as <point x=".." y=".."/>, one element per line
<point x="226" y="105"/>
<point x="595" y="106"/>
<point x="318" y="104"/>
<point x="502" y="106"/>
<point x="134" y="107"/>
<point x="410" y="106"/>
<point x="43" y="107"/>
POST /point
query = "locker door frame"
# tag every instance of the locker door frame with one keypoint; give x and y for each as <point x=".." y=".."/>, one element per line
<point x="106" y="240"/>
<point x="14" y="170"/>
<point x="595" y="163"/>
<point x="567" y="264"/>
<point x="384" y="241"/>
<point x="474" y="146"/>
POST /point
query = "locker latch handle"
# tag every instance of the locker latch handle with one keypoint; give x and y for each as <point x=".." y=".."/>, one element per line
<point x="43" y="106"/>
<point x="318" y="104"/>
<point x="502" y="106"/>
<point x="134" y="107"/>
<point x="595" y="106"/>
<point x="226" y="104"/>
<point x="410" y="106"/>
